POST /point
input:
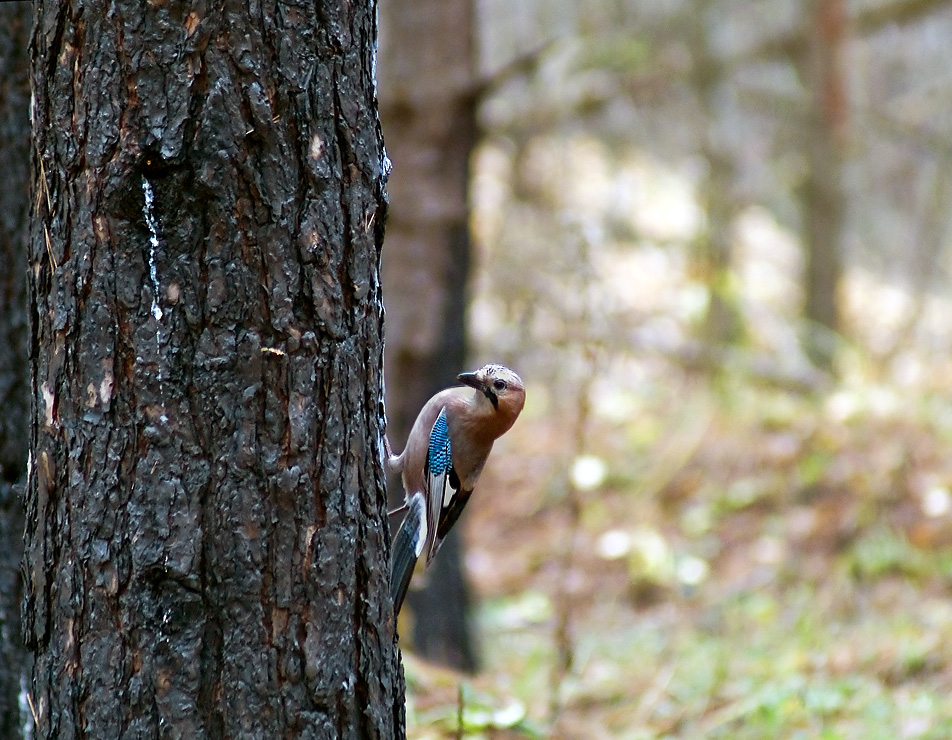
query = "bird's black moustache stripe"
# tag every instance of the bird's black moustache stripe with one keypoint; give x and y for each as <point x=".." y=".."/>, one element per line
<point x="493" y="398"/>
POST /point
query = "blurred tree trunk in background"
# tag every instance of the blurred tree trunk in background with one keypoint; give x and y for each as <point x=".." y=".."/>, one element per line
<point x="15" y="22"/>
<point x="206" y="550"/>
<point x="427" y="103"/>
<point x="722" y="322"/>
<point x="823" y="197"/>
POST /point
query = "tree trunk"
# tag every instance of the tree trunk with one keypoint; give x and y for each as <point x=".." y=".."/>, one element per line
<point x="824" y="201"/>
<point x="428" y="111"/>
<point x="207" y="541"/>
<point x="14" y="348"/>
<point x="723" y="323"/>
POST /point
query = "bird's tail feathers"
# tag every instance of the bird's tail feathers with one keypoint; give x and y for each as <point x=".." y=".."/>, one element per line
<point x="407" y="546"/>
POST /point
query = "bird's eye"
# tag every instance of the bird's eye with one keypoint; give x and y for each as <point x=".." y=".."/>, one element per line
<point x="499" y="385"/>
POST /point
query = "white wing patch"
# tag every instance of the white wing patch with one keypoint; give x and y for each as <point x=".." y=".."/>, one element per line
<point x="420" y="541"/>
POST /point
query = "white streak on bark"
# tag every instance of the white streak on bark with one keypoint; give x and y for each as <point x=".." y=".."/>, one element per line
<point x="153" y="245"/>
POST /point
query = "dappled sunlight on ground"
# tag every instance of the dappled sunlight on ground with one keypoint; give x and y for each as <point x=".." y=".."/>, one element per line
<point x="685" y="541"/>
<point x="753" y="564"/>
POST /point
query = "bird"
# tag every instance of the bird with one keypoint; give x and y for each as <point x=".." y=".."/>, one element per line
<point x="445" y="452"/>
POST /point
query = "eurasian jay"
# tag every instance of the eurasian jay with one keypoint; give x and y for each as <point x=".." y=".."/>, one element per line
<point x="444" y="455"/>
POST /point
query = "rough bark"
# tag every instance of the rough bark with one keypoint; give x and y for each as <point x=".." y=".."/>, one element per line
<point x="823" y="197"/>
<point x="14" y="342"/>
<point x="207" y="540"/>
<point x="428" y="113"/>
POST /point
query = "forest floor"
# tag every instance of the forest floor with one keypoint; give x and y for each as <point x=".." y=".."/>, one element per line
<point x="737" y="562"/>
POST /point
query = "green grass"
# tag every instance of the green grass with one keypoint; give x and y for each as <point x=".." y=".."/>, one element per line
<point x="825" y="613"/>
<point x="795" y="663"/>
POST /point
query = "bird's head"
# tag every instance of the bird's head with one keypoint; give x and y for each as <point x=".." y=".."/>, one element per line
<point x="498" y="386"/>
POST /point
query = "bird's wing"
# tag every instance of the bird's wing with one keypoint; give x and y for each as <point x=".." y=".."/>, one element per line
<point x="442" y="485"/>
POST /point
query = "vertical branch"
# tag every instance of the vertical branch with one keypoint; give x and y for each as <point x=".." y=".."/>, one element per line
<point x="460" y="706"/>
<point x="824" y="199"/>
<point x="563" y="636"/>
<point x="723" y="321"/>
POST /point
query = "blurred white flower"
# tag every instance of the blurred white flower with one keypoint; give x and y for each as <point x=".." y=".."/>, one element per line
<point x="614" y="544"/>
<point x="936" y="501"/>
<point x="650" y="553"/>
<point x="509" y="715"/>
<point x="692" y="570"/>
<point x="588" y="472"/>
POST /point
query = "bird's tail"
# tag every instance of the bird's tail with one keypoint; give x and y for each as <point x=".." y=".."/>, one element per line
<point x="407" y="546"/>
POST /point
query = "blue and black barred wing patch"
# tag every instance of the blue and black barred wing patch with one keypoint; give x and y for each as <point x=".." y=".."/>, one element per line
<point x="439" y="478"/>
<point x="438" y="457"/>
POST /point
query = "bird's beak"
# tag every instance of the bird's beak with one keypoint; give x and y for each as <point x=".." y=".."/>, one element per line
<point x="472" y="380"/>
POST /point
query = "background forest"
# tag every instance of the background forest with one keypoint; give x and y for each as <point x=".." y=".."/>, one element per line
<point x="713" y="236"/>
<point x="714" y="239"/>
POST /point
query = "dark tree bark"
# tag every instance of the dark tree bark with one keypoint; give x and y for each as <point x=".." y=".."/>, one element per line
<point x="14" y="342"/>
<point x="206" y="552"/>
<point x="823" y="197"/>
<point x="428" y="109"/>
